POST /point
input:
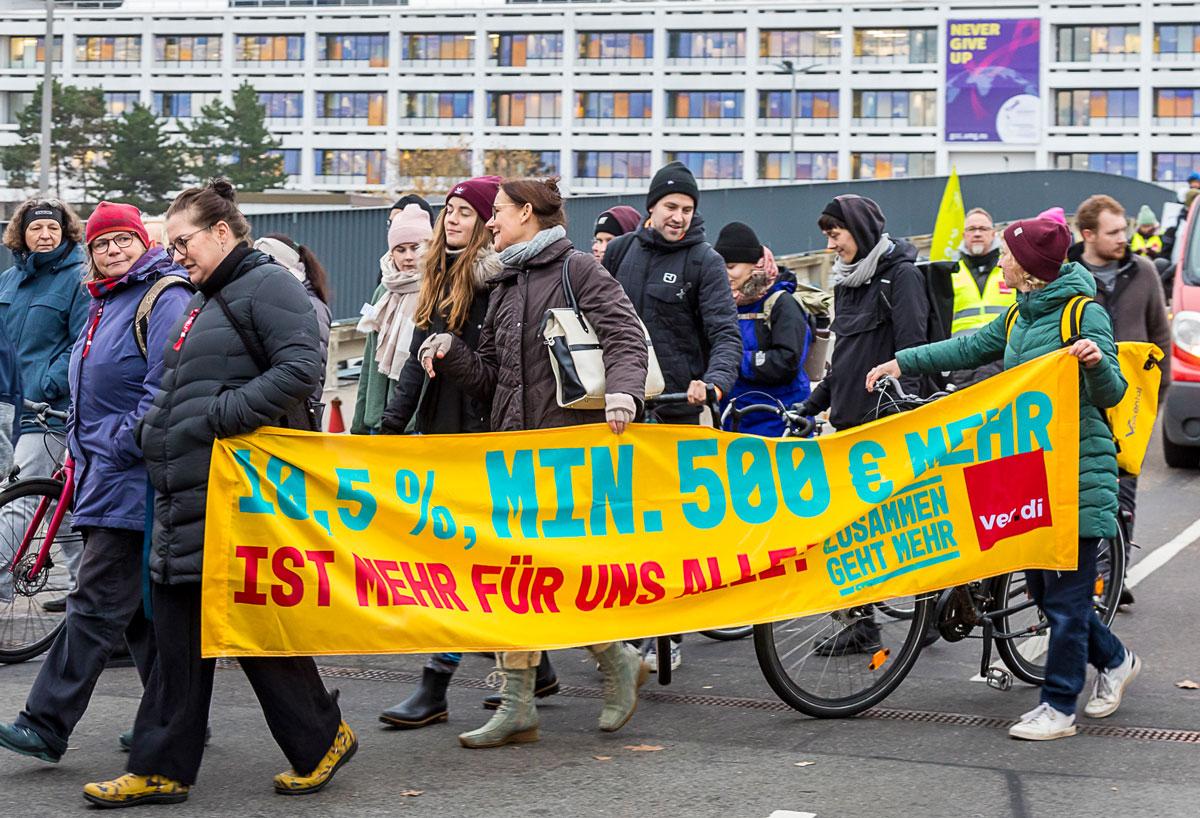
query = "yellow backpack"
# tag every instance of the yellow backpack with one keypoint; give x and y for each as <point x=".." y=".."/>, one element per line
<point x="1131" y="420"/>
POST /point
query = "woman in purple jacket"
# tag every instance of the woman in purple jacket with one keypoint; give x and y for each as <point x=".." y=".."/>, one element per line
<point x="114" y="372"/>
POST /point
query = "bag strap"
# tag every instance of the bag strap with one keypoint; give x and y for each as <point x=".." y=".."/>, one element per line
<point x="141" y="318"/>
<point x="256" y="353"/>
<point x="1010" y="320"/>
<point x="769" y="305"/>
<point x="572" y="302"/>
<point x="1071" y="322"/>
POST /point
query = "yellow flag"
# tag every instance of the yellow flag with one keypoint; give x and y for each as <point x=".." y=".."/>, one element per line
<point x="948" y="231"/>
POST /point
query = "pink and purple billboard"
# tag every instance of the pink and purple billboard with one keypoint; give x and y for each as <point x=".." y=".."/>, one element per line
<point x="992" y="81"/>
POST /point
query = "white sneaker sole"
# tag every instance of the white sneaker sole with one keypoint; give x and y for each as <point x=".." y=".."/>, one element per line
<point x="1017" y="733"/>
<point x="1107" y="710"/>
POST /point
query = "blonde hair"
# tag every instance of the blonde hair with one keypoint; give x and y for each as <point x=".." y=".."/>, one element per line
<point x="449" y="289"/>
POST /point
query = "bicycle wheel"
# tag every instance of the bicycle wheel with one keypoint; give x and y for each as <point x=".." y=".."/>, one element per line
<point x="1024" y="650"/>
<point x="898" y="611"/>
<point x="729" y="634"/>
<point x="831" y="686"/>
<point x="26" y="628"/>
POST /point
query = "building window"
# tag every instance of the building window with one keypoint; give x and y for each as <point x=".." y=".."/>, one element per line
<point x="1176" y="40"/>
<point x="351" y="107"/>
<point x="890" y="165"/>
<point x="180" y="104"/>
<point x="710" y="164"/>
<point x="433" y="165"/>
<point x="703" y="106"/>
<point x="706" y="46"/>
<point x="291" y="160"/>
<point x="895" y="45"/>
<point x="433" y="107"/>
<point x="12" y="103"/>
<point x="119" y="50"/>
<point x="520" y="163"/>
<point x="613" y="168"/>
<point x="269" y="48"/>
<point x="189" y="50"/>
<point x="371" y="49"/>
<point x="1175" y="167"/>
<point x="1121" y="164"/>
<point x="533" y="48"/>
<point x="915" y="108"/>
<point x="803" y="44"/>
<point x="509" y="108"/>
<point x="615" y="46"/>
<point x="811" y="106"/>
<point x="116" y="103"/>
<point x="1176" y="106"/>
<point x="282" y="104"/>
<point x="610" y="107"/>
<point x="774" y="165"/>
<point x="1098" y="43"/>
<point x="418" y="48"/>
<point x="29" y="52"/>
<point x="1096" y="106"/>
<point x="360" y="166"/>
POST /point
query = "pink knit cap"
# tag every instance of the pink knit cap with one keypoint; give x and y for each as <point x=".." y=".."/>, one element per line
<point x="410" y="226"/>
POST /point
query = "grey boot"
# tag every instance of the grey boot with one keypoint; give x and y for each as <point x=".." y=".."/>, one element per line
<point x="516" y="720"/>
<point x="624" y="672"/>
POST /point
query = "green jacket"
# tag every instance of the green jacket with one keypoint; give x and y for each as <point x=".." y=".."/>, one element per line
<point x="1036" y="332"/>
<point x="374" y="388"/>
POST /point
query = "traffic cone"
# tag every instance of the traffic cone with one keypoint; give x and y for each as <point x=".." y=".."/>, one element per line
<point x="336" y="424"/>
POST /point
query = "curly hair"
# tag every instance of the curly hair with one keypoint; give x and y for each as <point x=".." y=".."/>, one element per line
<point x="14" y="236"/>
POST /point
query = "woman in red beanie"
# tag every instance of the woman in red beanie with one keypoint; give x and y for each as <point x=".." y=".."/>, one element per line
<point x="1032" y="262"/>
<point x="114" y="372"/>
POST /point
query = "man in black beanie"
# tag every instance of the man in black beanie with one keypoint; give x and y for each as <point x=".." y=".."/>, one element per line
<point x="677" y="283"/>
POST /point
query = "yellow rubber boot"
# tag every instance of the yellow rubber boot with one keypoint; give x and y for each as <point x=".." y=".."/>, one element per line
<point x="130" y="790"/>
<point x="345" y="745"/>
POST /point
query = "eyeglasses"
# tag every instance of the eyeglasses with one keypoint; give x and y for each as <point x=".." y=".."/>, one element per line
<point x="180" y="245"/>
<point x="122" y="240"/>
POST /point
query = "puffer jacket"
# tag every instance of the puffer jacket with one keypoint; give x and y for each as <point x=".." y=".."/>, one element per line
<point x="511" y="369"/>
<point x="324" y="317"/>
<point x="43" y="305"/>
<point x="681" y="291"/>
<point x="211" y="387"/>
<point x="1037" y="331"/>
<point x="112" y="387"/>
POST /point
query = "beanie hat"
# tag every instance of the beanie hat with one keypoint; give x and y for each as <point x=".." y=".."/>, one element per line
<point x="410" y="226"/>
<point x="1054" y="214"/>
<point x="1146" y="217"/>
<point x="479" y="192"/>
<point x="673" y="177"/>
<point x="109" y="217"/>
<point x="1194" y="176"/>
<point x="618" y="220"/>
<point x="737" y="243"/>
<point x="412" y="198"/>
<point x="1039" y="246"/>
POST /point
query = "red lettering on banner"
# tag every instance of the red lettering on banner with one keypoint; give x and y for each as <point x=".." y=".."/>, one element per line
<point x="484" y="589"/>
<point x="651" y="575"/>
<point x="288" y="576"/>
<point x="582" y="601"/>
<point x="777" y="558"/>
<point x="623" y="585"/>
<point x="747" y="575"/>
<point x="367" y="579"/>
<point x="694" y="581"/>
<point x="545" y="585"/>
<point x="253" y="555"/>
<point x="320" y="559"/>
<point x="446" y="585"/>
<point x="395" y="584"/>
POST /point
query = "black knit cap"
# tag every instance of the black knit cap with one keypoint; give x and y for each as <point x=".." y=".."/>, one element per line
<point x="673" y="177"/>
<point x="737" y="243"/>
<point x="412" y="198"/>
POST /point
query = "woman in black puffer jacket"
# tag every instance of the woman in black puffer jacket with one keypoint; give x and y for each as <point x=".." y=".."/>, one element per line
<point x="245" y="355"/>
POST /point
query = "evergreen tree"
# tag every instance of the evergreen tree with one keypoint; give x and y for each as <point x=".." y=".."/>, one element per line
<point x="205" y="141"/>
<point x="234" y="142"/>
<point x="143" y="163"/>
<point x="78" y="141"/>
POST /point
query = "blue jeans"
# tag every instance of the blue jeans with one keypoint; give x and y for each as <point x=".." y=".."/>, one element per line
<point x="1077" y="636"/>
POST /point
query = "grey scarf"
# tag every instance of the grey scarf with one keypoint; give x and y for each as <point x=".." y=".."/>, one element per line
<point x="519" y="255"/>
<point x="861" y="271"/>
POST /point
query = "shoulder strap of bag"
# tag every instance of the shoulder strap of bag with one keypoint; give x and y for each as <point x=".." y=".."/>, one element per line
<point x="141" y="318"/>
<point x="769" y="305"/>
<point x="1010" y="320"/>
<point x="572" y="302"/>
<point x="1071" y="322"/>
<point x="257" y="354"/>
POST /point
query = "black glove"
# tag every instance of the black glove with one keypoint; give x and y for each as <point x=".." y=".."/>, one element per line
<point x="803" y="408"/>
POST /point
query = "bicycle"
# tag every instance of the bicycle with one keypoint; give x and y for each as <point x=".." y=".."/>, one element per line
<point x="38" y="565"/>
<point x="842" y="685"/>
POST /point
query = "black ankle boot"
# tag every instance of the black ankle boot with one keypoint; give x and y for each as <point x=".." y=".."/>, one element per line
<point x="427" y="704"/>
<point x="545" y="685"/>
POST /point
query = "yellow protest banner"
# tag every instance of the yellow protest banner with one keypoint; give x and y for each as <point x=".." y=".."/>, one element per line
<point x="327" y="544"/>
<point x="951" y="216"/>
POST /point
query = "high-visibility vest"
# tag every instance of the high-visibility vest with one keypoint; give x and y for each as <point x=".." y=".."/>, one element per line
<point x="1140" y="244"/>
<point x="973" y="309"/>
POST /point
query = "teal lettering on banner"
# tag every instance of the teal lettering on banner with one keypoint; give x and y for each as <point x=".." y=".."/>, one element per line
<point x="804" y="477"/>
<point x="256" y="503"/>
<point x="514" y="492"/>
<point x="291" y="492"/>
<point x="561" y="461"/>
<point x="864" y="471"/>
<point x="612" y="490"/>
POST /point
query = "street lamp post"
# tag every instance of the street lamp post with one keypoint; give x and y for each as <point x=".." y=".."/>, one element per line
<point x="789" y="67"/>
<point x="47" y="103"/>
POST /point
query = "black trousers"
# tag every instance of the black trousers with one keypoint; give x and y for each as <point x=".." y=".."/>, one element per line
<point x="104" y="609"/>
<point x="1127" y="486"/>
<point x="168" y="736"/>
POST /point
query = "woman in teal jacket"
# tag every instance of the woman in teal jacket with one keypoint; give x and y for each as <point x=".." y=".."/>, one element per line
<point x="1032" y="264"/>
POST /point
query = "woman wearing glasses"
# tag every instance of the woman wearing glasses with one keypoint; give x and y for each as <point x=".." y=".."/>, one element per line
<point x="245" y="355"/>
<point x="114" y="372"/>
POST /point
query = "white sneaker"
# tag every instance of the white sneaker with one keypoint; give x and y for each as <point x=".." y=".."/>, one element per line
<point x="651" y="658"/>
<point x="1110" y="687"/>
<point x="1043" y="723"/>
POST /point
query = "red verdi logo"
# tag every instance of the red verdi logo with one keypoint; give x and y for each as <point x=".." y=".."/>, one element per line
<point x="1008" y="496"/>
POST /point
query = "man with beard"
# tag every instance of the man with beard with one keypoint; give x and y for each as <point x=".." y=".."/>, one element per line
<point x="980" y="293"/>
<point x="678" y="285"/>
<point x="1128" y="286"/>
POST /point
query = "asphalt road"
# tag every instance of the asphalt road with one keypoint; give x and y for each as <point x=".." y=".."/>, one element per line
<point x="723" y="745"/>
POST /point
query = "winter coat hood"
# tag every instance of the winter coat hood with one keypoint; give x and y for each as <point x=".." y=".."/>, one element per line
<point x="862" y="218"/>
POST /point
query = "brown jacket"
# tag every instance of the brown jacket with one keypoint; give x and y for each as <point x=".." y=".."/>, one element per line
<point x="511" y="367"/>
<point x="1136" y="306"/>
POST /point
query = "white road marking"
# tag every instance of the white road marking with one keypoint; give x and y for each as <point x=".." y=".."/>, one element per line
<point x="787" y="813"/>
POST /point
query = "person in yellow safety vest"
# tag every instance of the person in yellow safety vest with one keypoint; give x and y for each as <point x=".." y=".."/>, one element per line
<point x="1145" y="240"/>
<point x="980" y="293"/>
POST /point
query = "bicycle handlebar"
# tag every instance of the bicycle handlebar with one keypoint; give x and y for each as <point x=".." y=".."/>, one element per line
<point x="681" y="398"/>
<point x="798" y="425"/>
<point x="43" y="411"/>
